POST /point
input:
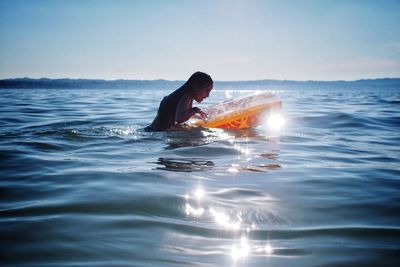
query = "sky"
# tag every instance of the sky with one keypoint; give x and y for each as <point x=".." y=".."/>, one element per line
<point x="171" y="39"/>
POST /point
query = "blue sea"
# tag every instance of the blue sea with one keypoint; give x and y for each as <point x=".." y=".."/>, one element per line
<point x="81" y="183"/>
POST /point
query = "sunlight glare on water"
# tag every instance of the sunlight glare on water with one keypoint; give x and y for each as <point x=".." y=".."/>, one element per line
<point x="269" y="249"/>
<point x="240" y="250"/>
<point x="275" y="121"/>
<point x="199" y="193"/>
<point x="224" y="220"/>
<point x="219" y="217"/>
<point x="229" y="221"/>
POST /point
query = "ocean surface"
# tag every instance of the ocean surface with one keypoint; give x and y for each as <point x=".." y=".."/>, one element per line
<point x="81" y="183"/>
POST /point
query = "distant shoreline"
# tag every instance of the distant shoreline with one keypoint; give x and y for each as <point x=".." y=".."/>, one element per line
<point x="66" y="83"/>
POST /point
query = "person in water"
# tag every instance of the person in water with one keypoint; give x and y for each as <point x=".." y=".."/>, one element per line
<point x="177" y="108"/>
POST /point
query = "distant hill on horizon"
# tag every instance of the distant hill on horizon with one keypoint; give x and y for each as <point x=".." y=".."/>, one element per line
<point x="67" y="83"/>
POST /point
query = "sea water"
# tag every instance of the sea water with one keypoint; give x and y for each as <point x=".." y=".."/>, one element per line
<point x="83" y="185"/>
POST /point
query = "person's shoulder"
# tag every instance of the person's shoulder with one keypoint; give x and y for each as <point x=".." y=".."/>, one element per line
<point x="186" y="97"/>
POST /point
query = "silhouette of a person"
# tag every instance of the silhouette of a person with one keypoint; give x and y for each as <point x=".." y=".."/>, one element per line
<point x="177" y="107"/>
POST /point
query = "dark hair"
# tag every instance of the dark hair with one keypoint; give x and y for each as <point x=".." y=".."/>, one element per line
<point x="198" y="78"/>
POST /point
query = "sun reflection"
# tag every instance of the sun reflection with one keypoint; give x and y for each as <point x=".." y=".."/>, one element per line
<point x="195" y="211"/>
<point x="225" y="221"/>
<point x="234" y="168"/>
<point x="190" y="211"/>
<point x="217" y="134"/>
<point x="243" y="150"/>
<point x="251" y="227"/>
<point x="199" y="193"/>
<point x="276" y="121"/>
<point x="241" y="250"/>
<point x="196" y="207"/>
<point x="269" y="249"/>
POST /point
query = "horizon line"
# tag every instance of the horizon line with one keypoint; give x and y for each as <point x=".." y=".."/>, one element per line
<point x="161" y="79"/>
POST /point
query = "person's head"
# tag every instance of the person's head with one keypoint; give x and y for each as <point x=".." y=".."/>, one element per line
<point x="200" y="84"/>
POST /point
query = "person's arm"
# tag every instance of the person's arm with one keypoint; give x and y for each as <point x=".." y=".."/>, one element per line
<point x="184" y="109"/>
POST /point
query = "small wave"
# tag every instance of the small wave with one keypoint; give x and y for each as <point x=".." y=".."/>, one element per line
<point x="337" y="120"/>
<point x="162" y="206"/>
<point x="41" y="146"/>
<point x="357" y="232"/>
<point x="88" y="133"/>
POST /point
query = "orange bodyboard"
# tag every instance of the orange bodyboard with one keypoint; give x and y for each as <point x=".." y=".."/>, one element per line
<point x="243" y="113"/>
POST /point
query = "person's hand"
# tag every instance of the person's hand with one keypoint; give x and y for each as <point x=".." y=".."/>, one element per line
<point x="202" y="114"/>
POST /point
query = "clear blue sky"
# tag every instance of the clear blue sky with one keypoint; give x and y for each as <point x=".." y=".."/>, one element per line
<point x="231" y="40"/>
